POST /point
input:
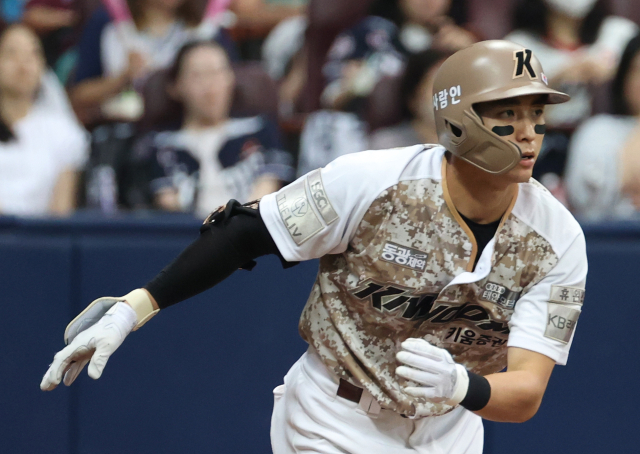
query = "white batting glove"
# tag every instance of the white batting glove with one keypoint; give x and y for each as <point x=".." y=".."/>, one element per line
<point x="94" y="345"/>
<point x="441" y="379"/>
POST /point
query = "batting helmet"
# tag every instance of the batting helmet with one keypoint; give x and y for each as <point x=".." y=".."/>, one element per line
<point x="485" y="71"/>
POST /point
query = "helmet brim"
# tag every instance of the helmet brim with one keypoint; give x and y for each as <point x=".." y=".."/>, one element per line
<point x="553" y="96"/>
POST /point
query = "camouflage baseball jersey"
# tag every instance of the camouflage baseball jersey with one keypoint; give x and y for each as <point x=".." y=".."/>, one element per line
<point x="396" y="261"/>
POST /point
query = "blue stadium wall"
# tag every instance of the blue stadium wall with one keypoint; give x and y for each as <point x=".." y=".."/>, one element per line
<point x="198" y="378"/>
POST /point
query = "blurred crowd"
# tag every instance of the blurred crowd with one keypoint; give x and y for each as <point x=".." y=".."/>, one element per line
<point x="181" y="105"/>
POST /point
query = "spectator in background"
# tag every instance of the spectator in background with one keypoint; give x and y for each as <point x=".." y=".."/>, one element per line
<point x="266" y="13"/>
<point x="379" y="44"/>
<point x="57" y="23"/>
<point x="41" y="151"/>
<point x="128" y="52"/>
<point x="416" y="97"/>
<point x="374" y="48"/>
<point x="358" y="58"/>
<point x="579" y="44"/>
<point x="424" y="24"/>
<point x="285" y="60"/>
<point x="211" y="158"/>
<point x="603" y="169"/>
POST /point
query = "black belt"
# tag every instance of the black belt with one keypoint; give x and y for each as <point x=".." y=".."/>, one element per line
<point x="348" y="391"/>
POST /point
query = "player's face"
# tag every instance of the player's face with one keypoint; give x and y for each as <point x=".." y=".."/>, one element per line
<point x="519" y="120"/>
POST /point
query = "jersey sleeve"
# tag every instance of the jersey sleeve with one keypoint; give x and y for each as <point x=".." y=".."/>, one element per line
<point x="319" y="213"/>
<point x="545" y="318"/>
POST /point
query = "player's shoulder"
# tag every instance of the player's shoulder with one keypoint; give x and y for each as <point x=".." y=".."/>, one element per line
<point x="393" y="163"/>
<point x="546" y="215"/>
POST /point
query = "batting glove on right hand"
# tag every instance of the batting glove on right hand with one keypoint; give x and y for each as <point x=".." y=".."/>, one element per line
<point x="439" y="377"/>
<point x="94" y="346"/>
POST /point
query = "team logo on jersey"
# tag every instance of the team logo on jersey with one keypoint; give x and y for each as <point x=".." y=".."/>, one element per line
<point x="522" y="60"/>
<point x="420" y="307"/>
<point x="404" y="256"/>
<point x="499" y="294"/>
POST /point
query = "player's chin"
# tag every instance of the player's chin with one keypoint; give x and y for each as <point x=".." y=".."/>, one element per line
<point x="520" y="175"/>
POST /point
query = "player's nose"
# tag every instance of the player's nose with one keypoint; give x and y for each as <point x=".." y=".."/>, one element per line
<point x="525" y="130"/>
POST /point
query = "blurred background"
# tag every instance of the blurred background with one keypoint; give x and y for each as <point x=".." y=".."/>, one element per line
<point x="124" y="122"/>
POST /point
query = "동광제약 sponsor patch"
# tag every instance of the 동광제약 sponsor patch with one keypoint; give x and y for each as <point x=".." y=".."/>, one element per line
<point x="404" y="256"/>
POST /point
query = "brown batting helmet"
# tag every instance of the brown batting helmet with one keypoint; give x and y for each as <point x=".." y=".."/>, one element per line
<point x="485" y="71"/>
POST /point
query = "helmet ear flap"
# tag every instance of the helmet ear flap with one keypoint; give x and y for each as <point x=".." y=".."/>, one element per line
<point x="488" y="151"/>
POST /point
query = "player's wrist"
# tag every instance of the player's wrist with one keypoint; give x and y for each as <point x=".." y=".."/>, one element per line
<point x="471" y="391"/>
<point x="461" y="385"/>
<point x="141" y="302"/>
<point x="124" y="315"/>
<point x="478" y="392"/>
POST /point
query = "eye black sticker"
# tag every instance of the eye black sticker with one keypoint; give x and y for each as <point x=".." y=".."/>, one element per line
<point x="540" y="129"/>
<point x="503" y="131"/>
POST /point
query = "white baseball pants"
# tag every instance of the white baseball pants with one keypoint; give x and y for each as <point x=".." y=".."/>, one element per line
<point x="309" y="418"/>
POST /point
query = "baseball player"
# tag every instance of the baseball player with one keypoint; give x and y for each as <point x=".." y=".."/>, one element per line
<point x="440" y="266"/>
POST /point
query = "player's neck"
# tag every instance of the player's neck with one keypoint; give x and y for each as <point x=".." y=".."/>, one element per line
<point x="478" y="195"/>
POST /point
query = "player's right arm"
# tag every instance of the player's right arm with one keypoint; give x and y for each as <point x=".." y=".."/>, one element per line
<point x="314" y="216"/>
<point x="230" y="239"/>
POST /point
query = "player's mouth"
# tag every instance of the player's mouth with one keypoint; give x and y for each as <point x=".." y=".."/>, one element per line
<point x="528" y="159"/>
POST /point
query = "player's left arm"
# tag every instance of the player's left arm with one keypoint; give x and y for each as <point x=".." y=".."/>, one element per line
<point x="517" y="393"/>
<point x="541" y="333"/>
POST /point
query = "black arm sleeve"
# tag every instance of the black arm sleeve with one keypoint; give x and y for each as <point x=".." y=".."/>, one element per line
<point x="227" y="242"/>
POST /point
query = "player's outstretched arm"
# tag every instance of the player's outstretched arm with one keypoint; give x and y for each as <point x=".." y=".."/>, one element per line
<point x="230" y="239"/>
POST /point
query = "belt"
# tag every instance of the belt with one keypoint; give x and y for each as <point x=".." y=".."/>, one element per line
<point x="353" y="393"/>
<point x="348" y="391"/>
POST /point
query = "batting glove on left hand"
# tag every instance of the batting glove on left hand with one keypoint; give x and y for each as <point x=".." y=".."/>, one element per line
<point x="440" y="377"/>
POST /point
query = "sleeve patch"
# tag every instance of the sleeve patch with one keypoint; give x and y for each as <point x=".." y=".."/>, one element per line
<point x="320" y="199"/>
<point x="566" y="295"/>
<point x="561" y="322"/>
<point x="298" y="217"/>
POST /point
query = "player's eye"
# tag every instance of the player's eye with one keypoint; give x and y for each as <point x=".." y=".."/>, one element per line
<point x="506" y="114"/>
